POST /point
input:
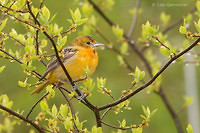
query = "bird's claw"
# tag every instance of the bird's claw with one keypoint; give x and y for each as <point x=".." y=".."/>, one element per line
<point x="80" y="93"/>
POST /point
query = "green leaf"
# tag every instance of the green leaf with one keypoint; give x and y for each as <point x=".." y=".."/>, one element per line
<point x="164" y="17"/>
<point x="2" y="68"/>
<point x="87" y="8"/>
<point x="120" y="105"/>
<point x="44" y="106"/>
<point x="182" y="29"/>
<point x="21" y="84"/>
<point x="63" y="110"/>
<point x="54" y="110"/>
<point x="139" y="75"/>
<point x="197" y="25"/>
<point x="68" y="123"/>
<point x="43" y="43"/>
<point x="124" y="48"/>
<point x="3" y="2"/>
<point x="120" y="59"/>
<point x="96" y="129"/>
<point x="28" y="67"/>
<point x="4" y="100"/>
<point x="165" y="51"/>
<point x="188" y="100"/>
<point x="89" y="85"/>
<point x="189" y="129"/>
<point x="148" y="30"/>
<point x="153" y="112"/>
<point x="86" y="71"/>
<point x="19" y="4"/>
<point x="52" y="18"/>
<point x="76" y="16"/>
<point x="81" y="21"/>
<point x="101" y="82"/>
<point x="118" y="32"/>
<point x="50" y="90"/>
<point x="123" y="124"/>
<point x="137" y="130"/>
<point x="45" y="13"/>
<point x="3" y="24"/>
<point x="198" y="5"/>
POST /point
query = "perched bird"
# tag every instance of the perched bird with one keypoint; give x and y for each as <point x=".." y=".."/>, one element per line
<point x="79" y="55"/>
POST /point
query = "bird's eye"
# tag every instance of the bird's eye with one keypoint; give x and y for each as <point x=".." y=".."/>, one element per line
<point x="88" y="43"/>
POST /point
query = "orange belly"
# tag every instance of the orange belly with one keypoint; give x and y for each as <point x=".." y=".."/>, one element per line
<point x="75" y="66"/>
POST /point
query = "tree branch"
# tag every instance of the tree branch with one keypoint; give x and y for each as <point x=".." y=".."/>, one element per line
<point x="134" y="22"/>
<point x="172" y="112"/>
<point x="39" y="128"/>
<point x="36" y="104"/>
<point x="152" y="79"/>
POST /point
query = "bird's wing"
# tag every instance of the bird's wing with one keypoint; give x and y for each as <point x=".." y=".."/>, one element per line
<point x="68" y="53"/>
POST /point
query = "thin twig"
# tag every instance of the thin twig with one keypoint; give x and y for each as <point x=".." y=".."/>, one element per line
<point x="130" y="42"/>
<point x="71" y="108"/>
<point x="177" y="22"/>
<point x="101" y="13"/>
<point x="10" y="9"/>
<point x="172" y="112"/>
<point x="23" y="21"/>
<point x="104" y="114"/>
<point x="6" y="34"/>
<point x="134" y="22"/>
<point x="112" y="126"/>
<point x="37" y="104"/>
<point x="39" y="128"/>
<point x="114" y="49"/>
<point x="152" y="79"/>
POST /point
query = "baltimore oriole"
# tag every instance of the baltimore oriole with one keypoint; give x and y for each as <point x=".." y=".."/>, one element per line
<point x="80" y="54"/>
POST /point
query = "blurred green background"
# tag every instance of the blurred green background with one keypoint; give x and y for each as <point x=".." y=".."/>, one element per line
<point x="117" y="76"/>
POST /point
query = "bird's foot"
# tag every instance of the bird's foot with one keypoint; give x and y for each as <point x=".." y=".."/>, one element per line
<point x="79" y="92"/>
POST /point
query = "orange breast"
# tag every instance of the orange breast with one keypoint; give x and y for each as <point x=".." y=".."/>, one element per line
<point x="85" y="57"/>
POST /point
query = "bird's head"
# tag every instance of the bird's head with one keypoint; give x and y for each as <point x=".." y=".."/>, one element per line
<point x="86" y="41"/>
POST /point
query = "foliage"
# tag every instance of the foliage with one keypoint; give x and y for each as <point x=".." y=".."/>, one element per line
<point x="31" y="47"/>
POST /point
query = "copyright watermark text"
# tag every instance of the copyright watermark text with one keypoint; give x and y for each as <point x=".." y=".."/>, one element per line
<point x="156" y="4"/>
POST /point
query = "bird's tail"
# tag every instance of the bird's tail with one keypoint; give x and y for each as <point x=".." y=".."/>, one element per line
<point x="41" y="87"/>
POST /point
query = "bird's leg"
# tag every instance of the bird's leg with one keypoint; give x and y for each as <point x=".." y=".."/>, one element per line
<point x="78" y="91"/>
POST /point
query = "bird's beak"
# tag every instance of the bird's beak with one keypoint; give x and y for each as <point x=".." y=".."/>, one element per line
<point x="97" y="44"/>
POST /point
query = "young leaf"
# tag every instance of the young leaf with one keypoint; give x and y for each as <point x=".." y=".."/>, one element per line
<point x="148" y="30"/>
<point x="137" y="130"/>
<point x="2" y="68"/>
<point x="188" y="100"/>
<point x="139" y="75"/>
<point x="118" y="32"/>
<point x="198" y="5"/>
<point x="77" y="15"/>
<point x="164" y="18"/>
<point x="81" y="21"/>
<point x="54" y="110"/>
<point x="3" y="24"/>
<point x="96" y="129"/>
<point x="123" y="124"/>
<point x="21" y="84"/>
<point x="189" y="129"/>
<point x="101" y="82"/>
<point x="124" y="48"/>
<point x="63" y="110"/>
<point x="44" y="106"/>
<point x="45" y="13"/>
<point x="182" y="29"/>
<point x="197" y="25"/>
